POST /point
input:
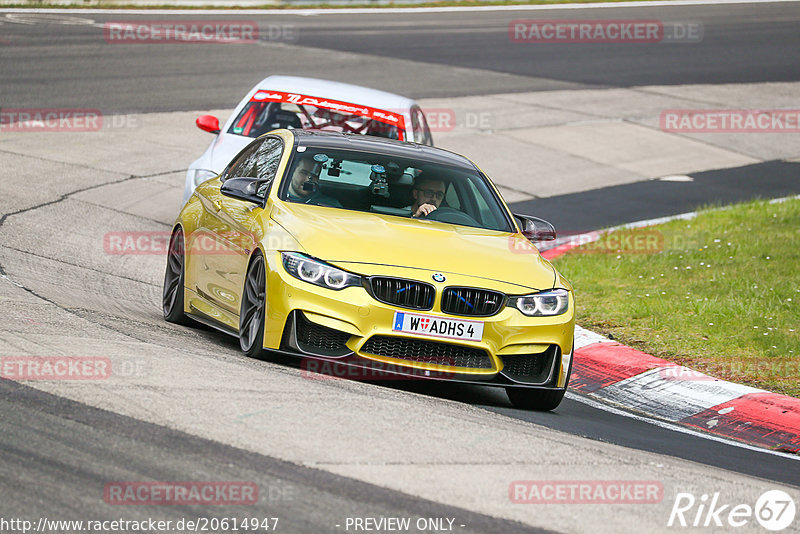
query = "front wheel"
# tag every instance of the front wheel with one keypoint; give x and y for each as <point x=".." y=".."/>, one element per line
<point x="172" y="296"/>
<point x="542" y="400"/>
<point x="251" y="316"/>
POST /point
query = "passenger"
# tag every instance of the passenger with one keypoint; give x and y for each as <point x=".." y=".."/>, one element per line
<point x="428" y="195"/>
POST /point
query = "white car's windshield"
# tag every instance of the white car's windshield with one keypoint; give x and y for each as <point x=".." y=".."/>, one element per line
<point x="393" y="186"/>
<point x="269" y="110"/>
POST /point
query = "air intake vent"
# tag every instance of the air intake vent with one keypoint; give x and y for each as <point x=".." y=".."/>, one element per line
<point x="314" y="338"/>
<point x="418" y="350"/>
<point x="530" y="368"/>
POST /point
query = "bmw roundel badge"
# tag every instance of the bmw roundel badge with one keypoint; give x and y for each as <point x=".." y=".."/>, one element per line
<point x="438" y="277"/>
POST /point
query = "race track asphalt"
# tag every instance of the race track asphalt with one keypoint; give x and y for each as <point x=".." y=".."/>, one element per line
<point x="421" y="55"/>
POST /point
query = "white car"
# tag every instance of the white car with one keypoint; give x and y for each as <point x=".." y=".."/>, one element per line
<point x="305" y="103"/>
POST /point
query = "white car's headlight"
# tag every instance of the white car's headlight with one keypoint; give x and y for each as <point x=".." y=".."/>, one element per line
<point x="542" y="304"/>
<point x="201" y="175"/>
<point x="318" y="272"/>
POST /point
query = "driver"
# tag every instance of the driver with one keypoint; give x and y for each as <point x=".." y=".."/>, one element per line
<point x="304" y="186"/>
<point x="428" y="195"/>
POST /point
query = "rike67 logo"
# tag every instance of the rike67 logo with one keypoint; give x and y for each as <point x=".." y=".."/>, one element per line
<point x="774" y="510"/>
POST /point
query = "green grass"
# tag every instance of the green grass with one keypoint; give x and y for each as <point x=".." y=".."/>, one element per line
<point x="721" y="297"/>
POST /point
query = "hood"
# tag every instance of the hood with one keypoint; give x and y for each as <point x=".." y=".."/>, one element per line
<point x="351" y="237"/>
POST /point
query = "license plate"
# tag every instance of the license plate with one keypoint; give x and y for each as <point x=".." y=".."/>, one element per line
<point x="427" y="325"/>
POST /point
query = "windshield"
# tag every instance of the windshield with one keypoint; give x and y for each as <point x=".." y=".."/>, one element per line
<point x="391" y="185"/>
<point x="268" y="110"/>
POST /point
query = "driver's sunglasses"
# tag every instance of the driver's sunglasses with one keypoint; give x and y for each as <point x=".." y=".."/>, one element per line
<point x="439" y="195"/>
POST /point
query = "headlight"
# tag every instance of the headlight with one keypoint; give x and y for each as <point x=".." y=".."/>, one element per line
<point x="317" y="272"/>
<point x="546" y="303"/>
<point x="201" y="175"/>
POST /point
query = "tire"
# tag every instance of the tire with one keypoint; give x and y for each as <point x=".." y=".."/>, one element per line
<point x="172" y="295"/>
<point x="251" y="314"/>
<point x="542" y="400"/>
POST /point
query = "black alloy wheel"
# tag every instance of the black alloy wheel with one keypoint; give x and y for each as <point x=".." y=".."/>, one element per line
<point x="251" y="318"/>
<point x="172" y="296"/>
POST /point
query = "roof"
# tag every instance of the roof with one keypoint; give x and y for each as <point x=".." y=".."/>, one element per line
<point x="345" y="92"/>
<point x="381" y="145"/>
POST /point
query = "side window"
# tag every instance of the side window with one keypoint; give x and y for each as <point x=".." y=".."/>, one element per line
<point x="234" y="169"/>
<point x="416" y="126"/>
<point x="261" y="160"/>
<point x="485" y="215"/>
<point x="422" y="134"/>
<point x="451" y="198"/>
<point x="428" y="139"/>
<point x="268" y="158"/>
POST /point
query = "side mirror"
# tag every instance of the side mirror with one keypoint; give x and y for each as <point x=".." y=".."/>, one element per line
<point x="208" y="123"/>
<point x="247" y="189"/>
<point x="536" y="229"/>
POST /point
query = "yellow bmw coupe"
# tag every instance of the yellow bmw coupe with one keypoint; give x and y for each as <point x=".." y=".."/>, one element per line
<point x="375" y="254"/>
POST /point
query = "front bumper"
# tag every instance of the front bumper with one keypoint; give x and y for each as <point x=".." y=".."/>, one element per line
<point x="353" y="329"/>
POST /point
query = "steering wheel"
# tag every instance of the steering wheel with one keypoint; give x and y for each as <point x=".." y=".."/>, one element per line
<point x="452" y="216"/>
